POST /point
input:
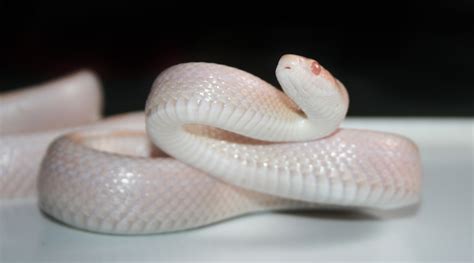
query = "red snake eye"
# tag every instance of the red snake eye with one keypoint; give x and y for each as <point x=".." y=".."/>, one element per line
<point x="315" y="67"/>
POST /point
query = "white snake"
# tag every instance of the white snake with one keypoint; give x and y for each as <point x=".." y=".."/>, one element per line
<point x="230" y="144"/>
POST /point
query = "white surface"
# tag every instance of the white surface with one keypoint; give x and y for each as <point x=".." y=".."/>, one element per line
<point x="441" y="229"/>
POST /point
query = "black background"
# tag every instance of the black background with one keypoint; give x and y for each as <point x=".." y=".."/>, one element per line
<point x="395" y="58"/>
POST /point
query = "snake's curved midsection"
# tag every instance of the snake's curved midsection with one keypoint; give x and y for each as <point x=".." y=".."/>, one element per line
<point x="117" y="182"/>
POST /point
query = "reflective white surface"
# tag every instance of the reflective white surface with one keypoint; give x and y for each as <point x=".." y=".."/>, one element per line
<point x="440" y="229"/>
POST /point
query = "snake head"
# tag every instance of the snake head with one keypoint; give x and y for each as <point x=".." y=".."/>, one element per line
<point x="300" y="66"/>
<point x="308" y="75"/>
<point x="312" y="87"/>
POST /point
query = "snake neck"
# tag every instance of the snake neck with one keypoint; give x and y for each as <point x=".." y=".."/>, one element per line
<point x="236" y="101"/>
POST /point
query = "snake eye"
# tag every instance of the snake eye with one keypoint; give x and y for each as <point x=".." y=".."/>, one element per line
<point x="315" y="67"/>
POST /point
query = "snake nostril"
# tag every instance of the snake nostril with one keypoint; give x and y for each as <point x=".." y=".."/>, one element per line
<point x="287" y="67"/>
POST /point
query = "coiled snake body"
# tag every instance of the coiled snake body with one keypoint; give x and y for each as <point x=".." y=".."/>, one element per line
<point x="228" y="143"/>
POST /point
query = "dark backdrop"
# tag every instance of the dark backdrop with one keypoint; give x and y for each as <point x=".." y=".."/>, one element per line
<point x="395" y="58"/>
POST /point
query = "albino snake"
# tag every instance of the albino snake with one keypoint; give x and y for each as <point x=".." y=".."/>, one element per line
<point x="228" y="144"/>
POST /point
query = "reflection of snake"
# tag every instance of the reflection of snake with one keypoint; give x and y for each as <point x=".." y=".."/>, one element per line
<point x="255" y="148"/>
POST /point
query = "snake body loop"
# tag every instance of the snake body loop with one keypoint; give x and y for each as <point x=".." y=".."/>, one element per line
<point x="218" y="143"/>
<point x="252" y="135"/>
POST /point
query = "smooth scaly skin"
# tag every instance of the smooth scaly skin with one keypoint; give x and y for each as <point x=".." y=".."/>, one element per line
<point x="31" y="118"/>
<point x="140" y="190"/>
